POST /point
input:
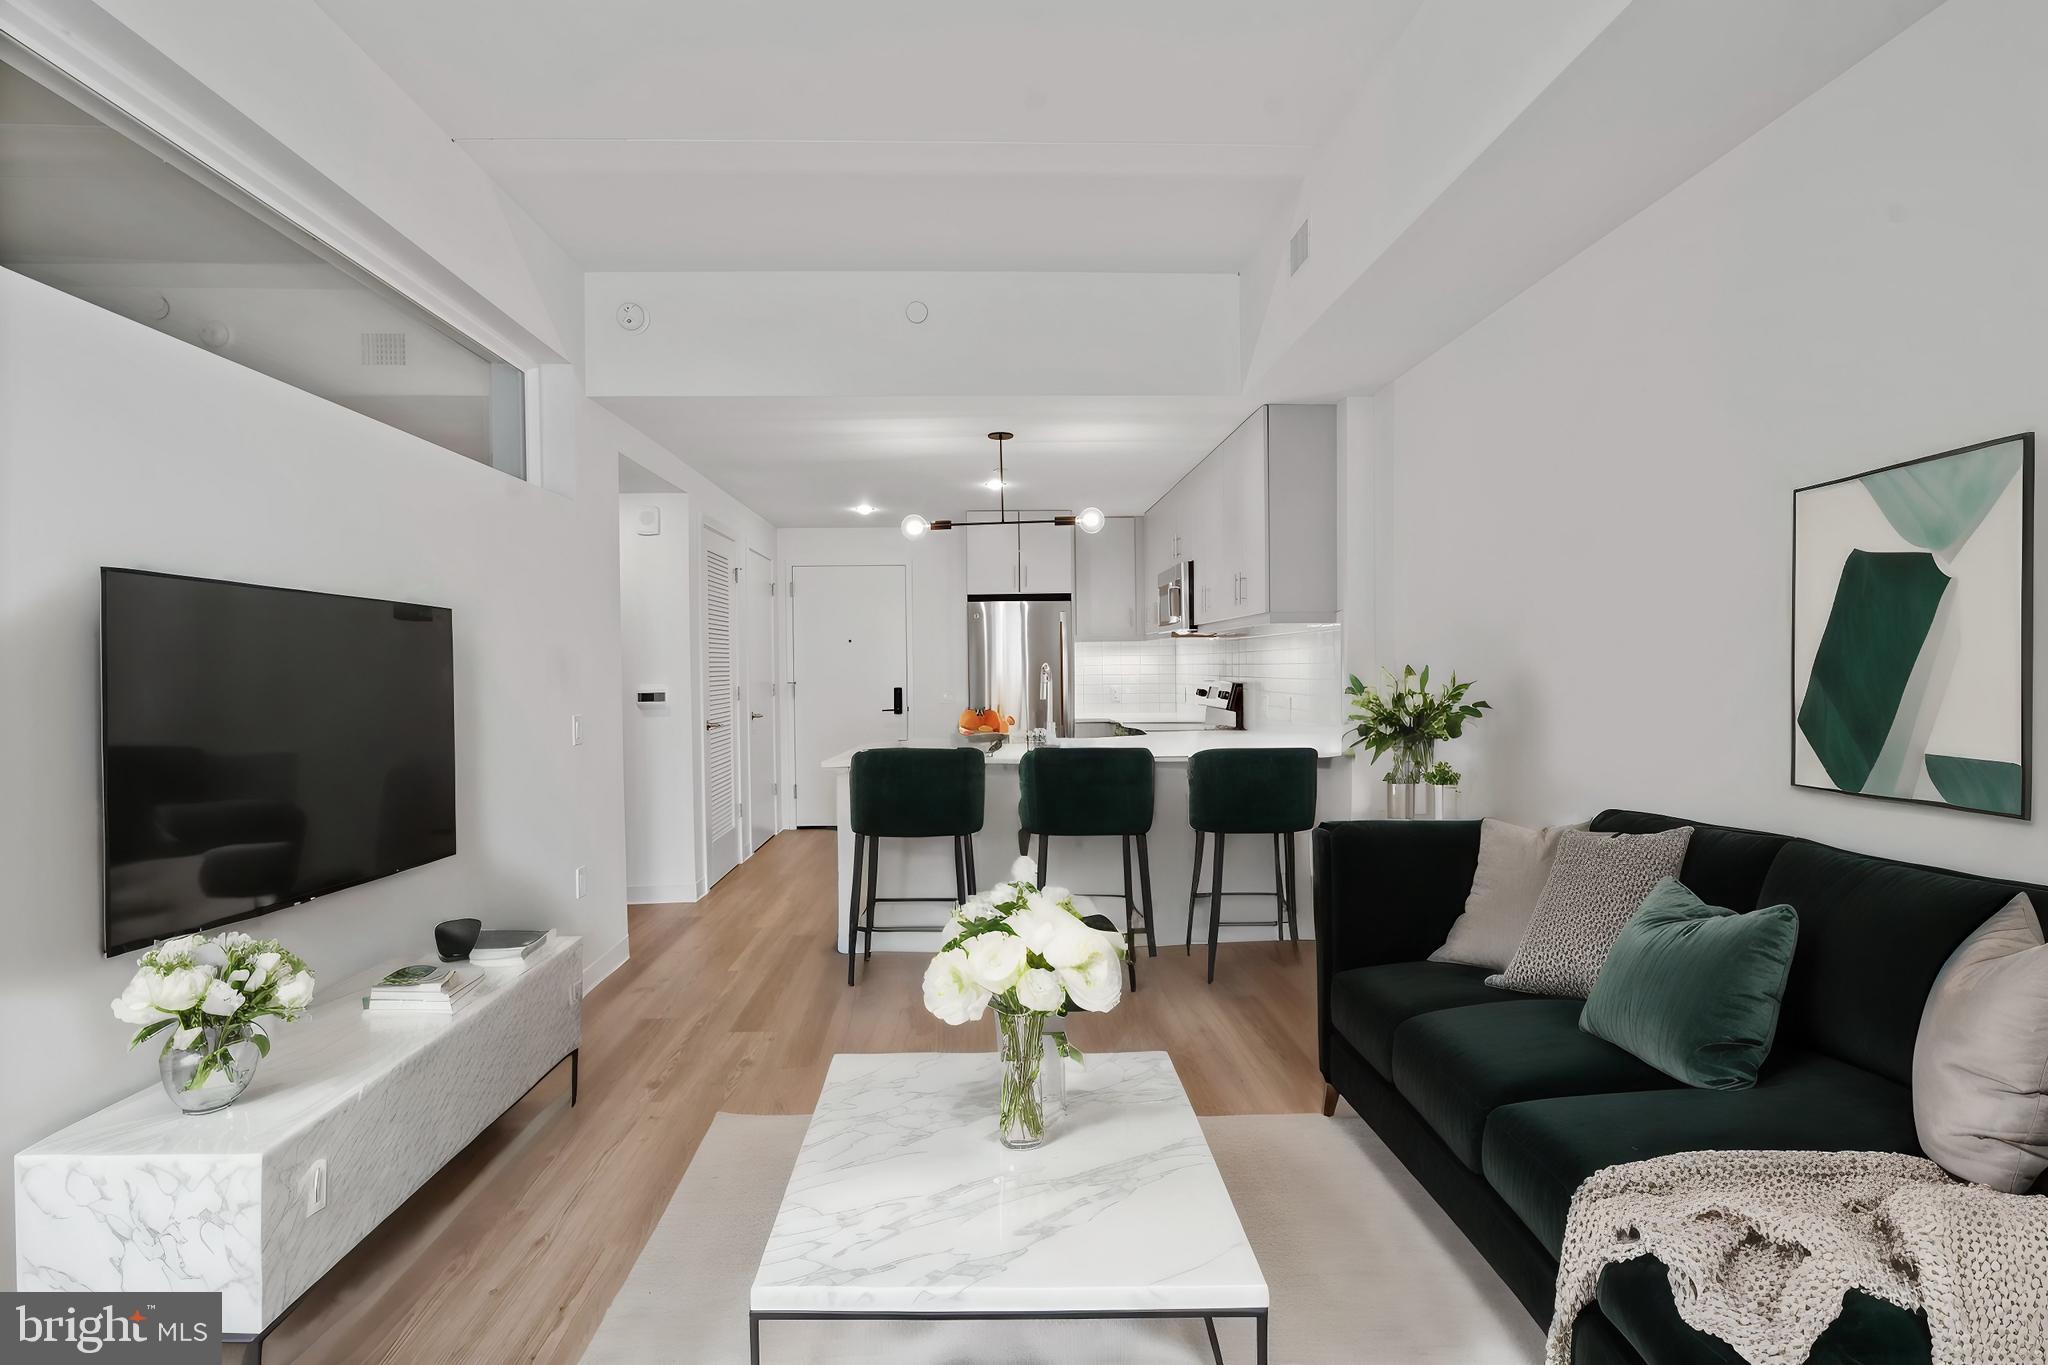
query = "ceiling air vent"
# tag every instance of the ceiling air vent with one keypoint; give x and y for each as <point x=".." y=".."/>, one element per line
<point x="1297" y="248"/>
<point x="383" y="348"/>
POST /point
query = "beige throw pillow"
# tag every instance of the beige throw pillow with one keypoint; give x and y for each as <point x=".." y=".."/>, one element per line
<point x="1595" y="886"/>
<point x="1980" y="1064"/>
<point x="1514" y="863"/>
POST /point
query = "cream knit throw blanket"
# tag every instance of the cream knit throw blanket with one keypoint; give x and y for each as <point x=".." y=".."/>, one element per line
<point x="1761" y="1247"/>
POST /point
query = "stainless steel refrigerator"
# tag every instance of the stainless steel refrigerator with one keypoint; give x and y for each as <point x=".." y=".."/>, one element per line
<point x="1020" y="660"/>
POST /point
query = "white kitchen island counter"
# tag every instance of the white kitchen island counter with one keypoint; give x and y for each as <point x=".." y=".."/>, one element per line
<point x="1094" y="867"/>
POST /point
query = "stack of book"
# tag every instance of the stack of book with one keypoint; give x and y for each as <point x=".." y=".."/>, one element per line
<point x="507" y="949"/>
<point x="423" y="988"/>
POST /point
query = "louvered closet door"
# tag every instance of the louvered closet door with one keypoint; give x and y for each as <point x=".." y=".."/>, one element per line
<point x="722" y="816"/>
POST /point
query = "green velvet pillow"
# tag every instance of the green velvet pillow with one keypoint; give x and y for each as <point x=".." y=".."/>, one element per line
<point x="1693" y="989"/>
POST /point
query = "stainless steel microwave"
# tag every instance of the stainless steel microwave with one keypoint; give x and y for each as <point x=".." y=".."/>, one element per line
<point x="1174" y="609"/>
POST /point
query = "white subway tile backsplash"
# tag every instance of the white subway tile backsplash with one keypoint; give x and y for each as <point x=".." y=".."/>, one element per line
<point x="1294" y="677"/>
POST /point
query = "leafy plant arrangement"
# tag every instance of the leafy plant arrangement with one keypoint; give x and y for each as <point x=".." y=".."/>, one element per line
<point x="1442" y="774"/>
<point x="1404" y="717"/>
<point x="207" y="995"/>
<point x="1030" y="954"/>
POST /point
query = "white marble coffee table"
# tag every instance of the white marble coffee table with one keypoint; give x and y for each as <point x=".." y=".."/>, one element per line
<point x="904" y="1205"/>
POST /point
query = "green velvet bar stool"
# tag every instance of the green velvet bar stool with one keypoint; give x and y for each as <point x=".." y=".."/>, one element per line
<point x="912" y="794"/>
<point x="1099" y="793"/>
<point x="1250" y="791"/>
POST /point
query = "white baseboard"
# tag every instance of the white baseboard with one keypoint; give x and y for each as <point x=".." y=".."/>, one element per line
<point x="604" y="964"/>
<point x="664" y="893"/>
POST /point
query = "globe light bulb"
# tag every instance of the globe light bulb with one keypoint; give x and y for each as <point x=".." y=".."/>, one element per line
<point x="1090" y="520"/>
<point x="915" y="526"/>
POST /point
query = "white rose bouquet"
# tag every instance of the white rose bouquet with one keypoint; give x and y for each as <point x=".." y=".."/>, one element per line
<point x="1030" y="954"/>
<point x="206" y="995"/>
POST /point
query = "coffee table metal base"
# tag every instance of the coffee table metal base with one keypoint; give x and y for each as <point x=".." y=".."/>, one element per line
<point x="1258" y="1316"/>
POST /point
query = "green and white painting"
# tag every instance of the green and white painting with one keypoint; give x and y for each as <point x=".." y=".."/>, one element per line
<point x="1911" y="630"/>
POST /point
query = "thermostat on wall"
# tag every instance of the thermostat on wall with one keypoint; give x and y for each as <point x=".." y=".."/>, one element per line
<point x="649" y="522"/>
<point x="658" y="697"/>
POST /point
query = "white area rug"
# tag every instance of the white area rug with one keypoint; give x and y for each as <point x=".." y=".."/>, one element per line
<point x="1362" y="1266"/>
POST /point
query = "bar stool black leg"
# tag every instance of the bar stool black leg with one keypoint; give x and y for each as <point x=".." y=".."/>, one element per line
<point x="1044" y="842"/>
<point x="1293" y="918"/>
<point x="973" y="886"/>
<point x="1145" y="889"/>
<point x="1215" y="907"/>
<point x="874" y="880"/>
<point x="1279" y="896"/>
<point x="1194" y="889"/>
<point x="853" y="909"/>
<point x="959" y="871"/>
<point x="1130" y="916"/>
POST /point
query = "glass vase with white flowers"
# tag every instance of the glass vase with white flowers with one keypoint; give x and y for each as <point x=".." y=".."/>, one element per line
<point x="1030" y="955"/>
<point x="208" y="998"/>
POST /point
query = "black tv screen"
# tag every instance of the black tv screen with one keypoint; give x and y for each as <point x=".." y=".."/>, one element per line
<point x="263" y="746"/>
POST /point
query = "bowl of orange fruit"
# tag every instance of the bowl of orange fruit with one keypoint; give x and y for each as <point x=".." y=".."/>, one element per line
<point x="985" y="722"/>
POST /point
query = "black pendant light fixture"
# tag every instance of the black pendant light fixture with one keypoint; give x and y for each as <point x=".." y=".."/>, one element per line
<point x="1089" y="519"/>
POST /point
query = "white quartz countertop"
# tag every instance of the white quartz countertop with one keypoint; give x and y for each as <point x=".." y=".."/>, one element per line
<point x="903" y="1200"/>
<point x="1145" y="715"/>
<point x="1169" y="746"/>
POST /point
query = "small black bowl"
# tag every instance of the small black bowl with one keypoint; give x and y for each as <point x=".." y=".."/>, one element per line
<point x="455" y="937"/>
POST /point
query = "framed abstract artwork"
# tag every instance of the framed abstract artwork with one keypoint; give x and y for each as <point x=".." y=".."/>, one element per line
<point x="1912" y="631"/>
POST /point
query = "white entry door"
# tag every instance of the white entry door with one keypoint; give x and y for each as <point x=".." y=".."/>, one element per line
<point x="722" y="815"/>
<point x="757" y="586"/>
<point x="851" y="670"/>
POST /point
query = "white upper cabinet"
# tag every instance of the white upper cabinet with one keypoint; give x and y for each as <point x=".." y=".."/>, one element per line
<point x="1108" y="593"/>
<point x="1045" y="558"/>
<point x="1257" y="518"/>
<point x="991" y="558"/>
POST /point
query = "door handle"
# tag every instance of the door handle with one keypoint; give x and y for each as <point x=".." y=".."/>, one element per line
<point x="895" y="706"/>
<point x="714" y="725"/>
<point x="755" y="715"/>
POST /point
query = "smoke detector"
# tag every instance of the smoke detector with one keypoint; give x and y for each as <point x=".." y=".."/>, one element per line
<point x="632" y="317"/>
<point x="916" y="311"/>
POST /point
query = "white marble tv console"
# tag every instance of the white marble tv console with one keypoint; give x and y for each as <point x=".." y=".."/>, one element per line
<point x="141" y="1196"/>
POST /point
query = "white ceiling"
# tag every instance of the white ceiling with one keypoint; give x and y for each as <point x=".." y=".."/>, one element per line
<point x="889" y="134"/>
<point x="808" y="462"/>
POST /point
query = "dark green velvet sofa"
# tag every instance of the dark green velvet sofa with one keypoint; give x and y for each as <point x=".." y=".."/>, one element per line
<point x="1500" y="1106"/>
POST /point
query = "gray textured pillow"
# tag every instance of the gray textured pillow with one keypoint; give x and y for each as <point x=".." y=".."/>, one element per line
<point x="1514" y="864"/>
<point x="1980" y="1064"/>
<point x="1595" y="886"/>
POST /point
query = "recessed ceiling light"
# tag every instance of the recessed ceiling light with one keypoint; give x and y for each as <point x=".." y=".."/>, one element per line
<point x="994" y="485"/>
<point x="866" y="509"/>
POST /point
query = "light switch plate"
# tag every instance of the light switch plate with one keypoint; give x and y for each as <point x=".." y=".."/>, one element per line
<point x="582" y="880"/>
<point x="575" y="729"/>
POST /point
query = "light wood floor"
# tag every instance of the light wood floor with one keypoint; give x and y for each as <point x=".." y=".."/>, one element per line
<point x="514" y="1250"/>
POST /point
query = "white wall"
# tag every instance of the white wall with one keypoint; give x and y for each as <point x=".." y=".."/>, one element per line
<point x="1585" y="502"/>
<point x="122" y="446"/>
<point x="937" y="569"/>
<point x="657" y="642"/>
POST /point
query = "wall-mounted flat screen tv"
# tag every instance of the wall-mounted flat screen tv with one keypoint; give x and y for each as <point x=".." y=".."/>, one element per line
<point x="263" y="746"/>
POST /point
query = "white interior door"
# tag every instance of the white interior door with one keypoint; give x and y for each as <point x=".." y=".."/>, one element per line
<point x="851" y="669"/>
<point x="757" y="588"/>
<point x="722" y="815"/>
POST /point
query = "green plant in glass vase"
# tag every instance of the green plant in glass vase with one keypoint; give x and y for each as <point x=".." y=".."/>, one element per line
<point x="1403" y="717"/>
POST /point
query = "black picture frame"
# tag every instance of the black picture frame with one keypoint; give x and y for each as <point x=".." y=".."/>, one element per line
<point x="2025" y="812"/>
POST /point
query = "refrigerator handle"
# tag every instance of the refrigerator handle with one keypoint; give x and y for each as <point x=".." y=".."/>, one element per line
<point x="1062" y="728"/>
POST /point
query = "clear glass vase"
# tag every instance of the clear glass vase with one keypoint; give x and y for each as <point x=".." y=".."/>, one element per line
<point x="1020" y="1058"/>
<point x="214" y="1071"/>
